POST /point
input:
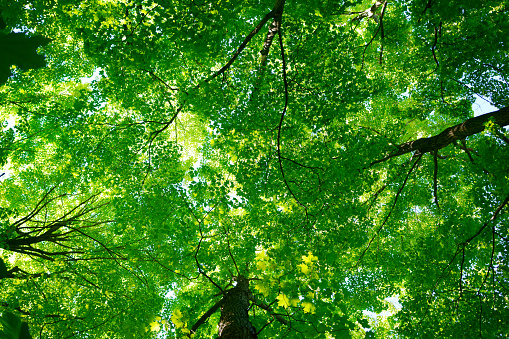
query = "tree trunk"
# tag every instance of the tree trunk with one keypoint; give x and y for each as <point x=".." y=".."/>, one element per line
<point x="234" y="322"/>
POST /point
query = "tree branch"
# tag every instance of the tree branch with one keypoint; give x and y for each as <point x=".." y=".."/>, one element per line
<point x="205" y="316"/>
<point x="392" y="208"/>
<point x="269" y="309"/>
<point x="435" y="176"/>
<point x="242" y="46"/>
<point x="497" y="211"/>
<point x="458" y="132"/>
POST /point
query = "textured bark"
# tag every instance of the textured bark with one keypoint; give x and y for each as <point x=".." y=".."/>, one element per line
<point x="234" y="322"/>
<point x="461" y="131"/>
<point x="273" y="29"/>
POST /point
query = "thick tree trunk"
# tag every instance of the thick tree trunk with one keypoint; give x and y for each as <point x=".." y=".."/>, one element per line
<point x="234" y="322"/>
<point x="461" y="131"/>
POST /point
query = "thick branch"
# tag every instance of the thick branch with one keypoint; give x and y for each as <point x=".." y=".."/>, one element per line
<point x="461" y="131"/>
<point x="205" y="316"/>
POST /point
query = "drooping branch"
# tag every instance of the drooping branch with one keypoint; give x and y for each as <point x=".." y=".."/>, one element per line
<point x="458" y="132"/>
<point x="283" y="113"/>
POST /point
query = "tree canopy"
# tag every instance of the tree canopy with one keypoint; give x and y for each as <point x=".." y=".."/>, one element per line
<point x="254" y="169"/>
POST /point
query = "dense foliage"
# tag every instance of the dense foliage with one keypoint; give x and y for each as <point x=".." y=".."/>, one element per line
<point x="309" y="158"/>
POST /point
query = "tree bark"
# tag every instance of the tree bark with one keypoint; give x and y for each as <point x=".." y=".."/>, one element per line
<point x="458" y="132"/>
<point x="234" y="322"/>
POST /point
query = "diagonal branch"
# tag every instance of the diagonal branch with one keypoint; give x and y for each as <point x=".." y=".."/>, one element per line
<point x="273" y="28"/>
<point x="458" y="132"/>
<point x="205" y="316"/>
<point x="242" y="46"/>
<point x="368" y="13"/>
<point x="269" y="309"/>
<point x="277" y="11"/>
<point x="392" y="208"/>
<point x="494" y="216"/>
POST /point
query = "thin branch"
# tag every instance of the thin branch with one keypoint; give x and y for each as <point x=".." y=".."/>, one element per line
<point x="382" y="32"/>
<point x="269" y="309"/>
<point x="200" y="270"/>
<point x="242" y="45"/>
<point x="36" y="209"/>
<point x="435" y="43"/>
<point x="285" y="82"/>
<point x="368" y="44"/>
<point x="465" y="148"/>
<point x="392" y="208"/>
<point x="461" y="272"/>
<point x="499" y="134"/>
<point x="494" y="216"/>
<point x="265" y="325"/>
<point x="153" y="75"/>
<point x="435" y="177"/>
<point x="153" y="136"/>
<point x="301" y="165"/>
<point x="461" y="246"/>
<point x="230" y="251"/>
<point x="428" y="5"/>
<point x="490" y="267"/>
